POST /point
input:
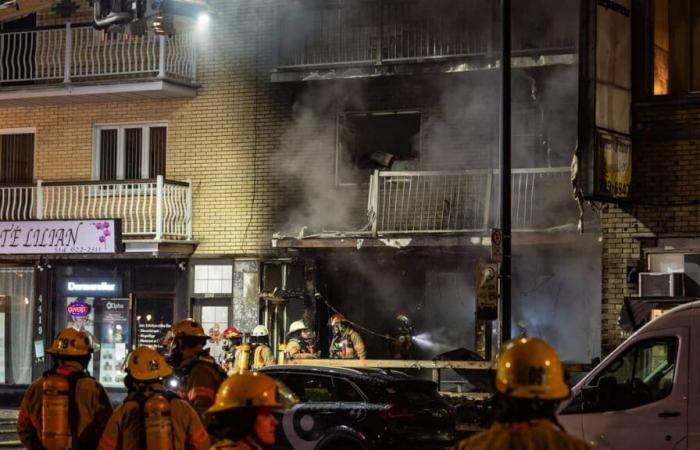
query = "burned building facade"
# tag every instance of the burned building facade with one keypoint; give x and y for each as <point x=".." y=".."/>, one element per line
<point x="289" y="149"/>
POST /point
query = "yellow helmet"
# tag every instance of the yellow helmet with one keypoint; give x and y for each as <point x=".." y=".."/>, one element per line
<point x="252" y="390"/>
<point x="529" y="368"/>
<point x="146" y="364"/>
<point x="188" y="327"/>
<point x="71" y="342"/>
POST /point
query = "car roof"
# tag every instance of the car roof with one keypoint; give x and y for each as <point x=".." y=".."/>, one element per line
<point x="361" y="374"/>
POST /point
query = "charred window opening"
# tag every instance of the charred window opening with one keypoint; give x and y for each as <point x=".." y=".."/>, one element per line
<point x="16" y="158"/>
<point x="129" y="152"/>
<point x="676" y="38"/>
<point x="378" y="140"/>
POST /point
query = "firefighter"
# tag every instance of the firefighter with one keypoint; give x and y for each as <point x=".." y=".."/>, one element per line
<point x="151" y="418"/>
<point x="232" y="340"/>
<point x="200" y="375"/>
<point x="242" y="416"/>
<point x="299" y="342"/>
<point x="529" y="386"/>
<point x="346" y="342"/>
<point x="402" y="345"/>
<point x="66" y="408"/>
<point x="262" y="353"/>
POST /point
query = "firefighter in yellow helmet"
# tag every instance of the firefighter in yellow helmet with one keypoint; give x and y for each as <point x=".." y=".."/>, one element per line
<point x="242" y="416"/>
<point x="151" y="418"/>
<point x="200" y="376"/>
<point x="529" y="386"/>
<point x="66" y="406"/>
<point x="299" y="342"/>
<point x="262" y="353"/>
<point x="346" y="342"/>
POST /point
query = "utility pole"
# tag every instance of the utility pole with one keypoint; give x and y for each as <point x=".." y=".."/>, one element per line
<point x="505" y="173"/>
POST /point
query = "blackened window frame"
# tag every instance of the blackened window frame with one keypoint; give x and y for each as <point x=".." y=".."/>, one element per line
<point x="341" y="116"/>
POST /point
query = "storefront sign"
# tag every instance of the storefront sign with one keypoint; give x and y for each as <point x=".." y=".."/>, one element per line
<point x="90" y="287"/>
<point x="59" y="237"/>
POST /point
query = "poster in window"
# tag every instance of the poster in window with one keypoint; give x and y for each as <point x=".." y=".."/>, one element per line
<point x="113" y="322"/>
<point x="81" y="316"/>
<point x="614" y="160"/>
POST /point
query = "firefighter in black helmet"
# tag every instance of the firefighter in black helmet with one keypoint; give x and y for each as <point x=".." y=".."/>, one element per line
<point x="151" y="418"/>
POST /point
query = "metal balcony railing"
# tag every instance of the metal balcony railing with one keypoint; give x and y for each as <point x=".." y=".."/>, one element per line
<point x="81" y="53"/>
<point x="368" y="32"/>
<point x="461" y="201"/>
<point x="156" y="208"/>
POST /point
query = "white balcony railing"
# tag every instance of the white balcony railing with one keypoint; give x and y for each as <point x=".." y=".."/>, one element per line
<point x="157" y="209"/>
<point x="81" y="53"/>
<point x="461" y="201"/>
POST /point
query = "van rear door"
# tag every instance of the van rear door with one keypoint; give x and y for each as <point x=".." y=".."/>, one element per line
<point x="638" y="400"/>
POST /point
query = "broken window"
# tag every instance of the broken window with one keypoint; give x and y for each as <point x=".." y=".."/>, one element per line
<point x="378" y="140"/>
<point x="129" y="152"/>
<point x="676" y="45"/>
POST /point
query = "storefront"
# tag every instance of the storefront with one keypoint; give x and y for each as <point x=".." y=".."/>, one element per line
<point x="55" y="274"/>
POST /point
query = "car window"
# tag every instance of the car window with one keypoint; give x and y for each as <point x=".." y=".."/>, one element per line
<point x="643" y="374"/>
<point x="414" y="394"/>
<point x="346" y="392"/>
<point x="309" y="388"/>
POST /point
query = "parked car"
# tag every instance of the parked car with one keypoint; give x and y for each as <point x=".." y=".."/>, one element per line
<point x="646" y="394"/>
<point x="357" y="409"/>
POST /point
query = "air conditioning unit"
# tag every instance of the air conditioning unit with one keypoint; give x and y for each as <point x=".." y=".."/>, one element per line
<point x="653" y="284"/>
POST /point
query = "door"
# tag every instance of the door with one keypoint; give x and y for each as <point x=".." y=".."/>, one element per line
<point x="215" y="315"/>
<point x="153" y="318"/>
<point x="639" y="400"/>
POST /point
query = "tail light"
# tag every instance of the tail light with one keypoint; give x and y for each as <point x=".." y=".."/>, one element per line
<point x="398" y="412"/>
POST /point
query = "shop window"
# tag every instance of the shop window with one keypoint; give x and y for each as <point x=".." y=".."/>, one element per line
<point x="129" y="152"/>
<point x="17" y="326"/>
<point x="380" y="140"/>
<point x="16" y="158"/>
<point x="676" y="38"/>
<point x="213" y="279"/>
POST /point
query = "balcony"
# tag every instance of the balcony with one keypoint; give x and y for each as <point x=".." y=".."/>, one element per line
<point x="78" y="64"/>
<point x="427" y="206"/>
<point x="151" y="211"/>
<point x="339" y="39"/>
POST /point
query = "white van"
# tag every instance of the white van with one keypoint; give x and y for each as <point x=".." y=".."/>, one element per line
<point x="646" y="394"/>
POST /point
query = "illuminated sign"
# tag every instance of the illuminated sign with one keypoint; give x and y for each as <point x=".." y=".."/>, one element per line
<point x="101" y="287"/>
<point x="60" y="236"/>
<point x="78" y="309"/>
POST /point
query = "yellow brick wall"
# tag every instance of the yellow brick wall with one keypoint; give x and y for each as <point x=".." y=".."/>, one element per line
<point x="211" y="138"/>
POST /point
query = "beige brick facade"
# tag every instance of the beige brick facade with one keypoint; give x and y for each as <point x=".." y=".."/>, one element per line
<point x="665" y="187"/>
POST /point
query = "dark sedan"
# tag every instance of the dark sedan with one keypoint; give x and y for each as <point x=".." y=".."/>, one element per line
<point x="357" y="409"/>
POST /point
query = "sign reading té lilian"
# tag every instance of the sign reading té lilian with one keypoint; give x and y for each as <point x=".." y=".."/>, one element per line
<point x="59" y="236"/>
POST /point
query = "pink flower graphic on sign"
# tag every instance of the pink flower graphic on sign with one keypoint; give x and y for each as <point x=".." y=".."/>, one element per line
<point x="105" y="232"/>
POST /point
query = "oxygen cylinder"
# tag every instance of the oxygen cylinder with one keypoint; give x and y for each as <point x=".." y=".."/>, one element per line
<point x="55" y="427"/>
<point x="159" y="429"/>
<point x="243" y="358"/>
<point x="281" y="354"/>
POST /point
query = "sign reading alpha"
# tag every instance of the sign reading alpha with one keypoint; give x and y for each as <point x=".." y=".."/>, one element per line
<point x="60" y="237"/>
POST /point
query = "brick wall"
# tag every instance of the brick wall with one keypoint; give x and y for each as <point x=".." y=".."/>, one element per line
<point x="261" y="156"/>
<point x="665" y="196"/>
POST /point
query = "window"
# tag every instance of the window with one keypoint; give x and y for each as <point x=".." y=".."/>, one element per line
<point x="346" y="392"/>
<point x="16" y="158"/>
<point x="129" y="152"/>
<point x="213" y="279"/>
<point x="369" y="141"/>
<point x="643" y="374"/>
<point x="308" y="388"/>
<point x="676" y="37"/>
